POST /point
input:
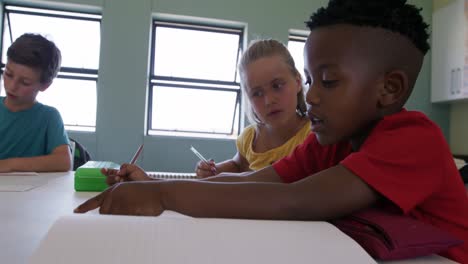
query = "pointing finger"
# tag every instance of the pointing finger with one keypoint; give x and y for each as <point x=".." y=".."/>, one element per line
<point x="91" y="204"/>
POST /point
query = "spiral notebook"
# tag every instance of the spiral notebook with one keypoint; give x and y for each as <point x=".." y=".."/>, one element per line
<point x="172" y="175"/>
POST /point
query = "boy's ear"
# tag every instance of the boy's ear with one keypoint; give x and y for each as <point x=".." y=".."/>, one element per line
<point x="394" y="90"/>
<point x="44" y="86"/>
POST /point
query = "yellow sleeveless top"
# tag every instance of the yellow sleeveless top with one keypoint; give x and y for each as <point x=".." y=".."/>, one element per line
<point x="261" y="160"/>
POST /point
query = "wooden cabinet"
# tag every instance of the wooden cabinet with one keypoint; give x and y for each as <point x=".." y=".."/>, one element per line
<point x="449" y="52"/>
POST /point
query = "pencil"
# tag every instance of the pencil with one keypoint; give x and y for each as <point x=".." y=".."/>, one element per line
<point x="137" y="153"/>
<point x="200" y="156"/>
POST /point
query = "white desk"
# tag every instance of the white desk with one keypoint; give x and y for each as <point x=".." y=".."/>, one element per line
<point x="27" y="216"/>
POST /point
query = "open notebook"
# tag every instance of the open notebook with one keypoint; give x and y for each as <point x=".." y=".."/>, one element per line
<point x="174" y="238"/>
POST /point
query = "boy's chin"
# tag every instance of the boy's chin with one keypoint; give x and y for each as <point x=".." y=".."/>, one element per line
<point x="325" y="140"/>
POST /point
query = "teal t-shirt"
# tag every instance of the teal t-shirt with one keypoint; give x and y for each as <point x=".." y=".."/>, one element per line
<point x="33" y="132"/>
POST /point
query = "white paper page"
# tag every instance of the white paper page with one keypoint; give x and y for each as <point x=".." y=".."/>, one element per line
<point x="19" y="173"/>
<point x="20" y="183"/>
<point x="16" y="187"/>
<point x="183" y="240"/>
<point x="459" y="163"/>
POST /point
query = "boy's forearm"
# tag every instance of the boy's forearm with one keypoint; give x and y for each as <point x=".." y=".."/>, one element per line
<point x="267" y="174"/>
<point x="227" y="177"/>
<point x="344" y="192"/>
<point x="46" y="163"/>
<point x="233" y="200"/>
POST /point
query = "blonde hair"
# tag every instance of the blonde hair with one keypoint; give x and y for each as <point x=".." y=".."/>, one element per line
<point x="258" y="49"/>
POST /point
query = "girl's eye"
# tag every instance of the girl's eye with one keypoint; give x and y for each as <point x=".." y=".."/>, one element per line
<point x="278" y="85"/>
<point x="256" y="94"/>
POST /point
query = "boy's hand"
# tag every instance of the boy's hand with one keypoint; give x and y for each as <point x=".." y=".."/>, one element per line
<point x="127" y="172"/>
<point x="130" y="198"/>
<point x="204" y="169"/>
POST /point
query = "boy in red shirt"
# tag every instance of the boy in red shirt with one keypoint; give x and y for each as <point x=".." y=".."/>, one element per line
<point x="362" y="61"/>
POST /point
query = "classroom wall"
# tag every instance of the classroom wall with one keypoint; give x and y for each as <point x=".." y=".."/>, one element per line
<point x="459" y="128"/>
<point x="421" y="97"/>
<point x="458" y="113"/>
<point x="440" y="3"/>
<point x="123" y="72"/>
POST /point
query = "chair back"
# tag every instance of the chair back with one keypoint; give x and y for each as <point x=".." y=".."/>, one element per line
<point x="79" y="153"/>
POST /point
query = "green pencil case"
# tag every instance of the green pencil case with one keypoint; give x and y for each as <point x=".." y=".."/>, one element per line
<point x="88" y="177"/>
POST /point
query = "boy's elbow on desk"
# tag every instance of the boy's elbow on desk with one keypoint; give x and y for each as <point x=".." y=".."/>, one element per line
<point x="61" y="166"/>
<point x="58" y="162"/>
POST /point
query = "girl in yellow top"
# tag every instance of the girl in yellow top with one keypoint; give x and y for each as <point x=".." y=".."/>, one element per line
<point x="275" y="107"/>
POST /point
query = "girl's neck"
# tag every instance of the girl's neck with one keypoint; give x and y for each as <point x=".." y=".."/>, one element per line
<point x="269" y="137"/>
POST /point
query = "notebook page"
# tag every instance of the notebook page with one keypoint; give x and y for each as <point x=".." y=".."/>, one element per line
<point x="15" y="183"/>
<point x="19" y="173"/>
<point x="175" y="240"/>
<point x="16" y="187"/>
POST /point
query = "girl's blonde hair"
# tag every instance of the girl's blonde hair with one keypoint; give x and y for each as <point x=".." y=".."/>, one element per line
<point x="258" y="49"/>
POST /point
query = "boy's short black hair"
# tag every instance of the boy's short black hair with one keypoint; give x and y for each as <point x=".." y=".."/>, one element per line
<point x="394" y="15"/>
<point x="35" y="51"/>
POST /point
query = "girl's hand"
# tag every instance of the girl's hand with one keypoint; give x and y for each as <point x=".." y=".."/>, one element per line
<point x="204" y="169"/>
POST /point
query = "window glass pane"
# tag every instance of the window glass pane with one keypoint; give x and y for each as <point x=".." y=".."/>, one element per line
<point x="296" y="48"/>
<point x="195" y="67"/>
<point x="77" y="39"/>
<point x="75" y="100"/>
<point x="6" y="41"/>
<point x="193" y="110"/>
<point x="195" y="54"/>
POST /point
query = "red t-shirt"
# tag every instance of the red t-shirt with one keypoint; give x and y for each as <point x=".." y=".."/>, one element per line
<point x="406" y="159"/>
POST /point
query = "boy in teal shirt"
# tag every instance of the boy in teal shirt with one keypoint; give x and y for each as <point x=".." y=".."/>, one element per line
<point x="32" y="135"/>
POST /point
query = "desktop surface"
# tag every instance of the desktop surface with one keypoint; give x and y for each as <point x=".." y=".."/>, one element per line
<point x="28" y="215"/>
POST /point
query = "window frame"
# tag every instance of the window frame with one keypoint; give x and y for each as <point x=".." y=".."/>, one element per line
<point x="298" y="37"/>
<point x="192" y="83"/>
<point x="71" y="73"/>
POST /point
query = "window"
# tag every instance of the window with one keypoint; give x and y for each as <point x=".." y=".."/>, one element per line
<point x="77" y="35"/>
<point x="296" y="48"/>
<point x="194" y="88"/>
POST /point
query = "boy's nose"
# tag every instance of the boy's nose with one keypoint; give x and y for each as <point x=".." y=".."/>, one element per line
<point x="12" y="86"/>
<point x="312" y="96"/>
